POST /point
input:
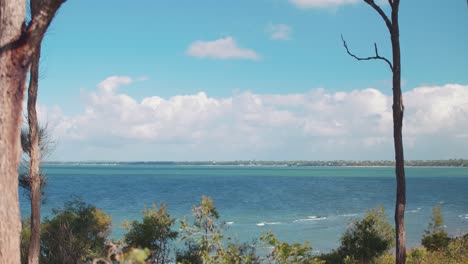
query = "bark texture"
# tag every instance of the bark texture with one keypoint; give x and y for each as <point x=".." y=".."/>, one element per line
<point x="13" y="70"/>
<point x="34" y="162"/>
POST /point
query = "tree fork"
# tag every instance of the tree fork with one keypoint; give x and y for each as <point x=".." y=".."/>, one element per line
<point x="18" y="43"/>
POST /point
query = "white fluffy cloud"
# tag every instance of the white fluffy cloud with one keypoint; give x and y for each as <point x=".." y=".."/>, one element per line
<point x="321" y="3"/>
<point x="224" y="48"/>
<point x="313" y="125"/>
<point x="279" y="31"/>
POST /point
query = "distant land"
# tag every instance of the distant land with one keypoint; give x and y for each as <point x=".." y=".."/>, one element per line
<point x="298" y="163"/>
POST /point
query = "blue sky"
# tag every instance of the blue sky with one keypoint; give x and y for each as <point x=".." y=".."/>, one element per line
<point x="228" y="50"/>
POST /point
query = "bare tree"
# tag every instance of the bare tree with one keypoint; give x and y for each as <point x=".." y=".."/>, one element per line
<point x="398" y="109"/>
<point x="18" y="44"/>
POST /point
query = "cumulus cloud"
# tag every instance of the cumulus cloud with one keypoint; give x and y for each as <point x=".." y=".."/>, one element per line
<point x="321" y="3"/>
<point x="224" y="48"/>
<point x="313" y="125"/>
<point x="279" y="31"/>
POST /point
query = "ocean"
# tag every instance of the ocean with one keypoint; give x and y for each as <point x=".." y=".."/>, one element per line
<point x="297" y="203"/>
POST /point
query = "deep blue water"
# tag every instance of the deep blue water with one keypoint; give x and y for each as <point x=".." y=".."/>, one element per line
<point x="297" y="203"/>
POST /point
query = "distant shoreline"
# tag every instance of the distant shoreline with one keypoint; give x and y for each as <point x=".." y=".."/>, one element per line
<point x="252" y="163"/>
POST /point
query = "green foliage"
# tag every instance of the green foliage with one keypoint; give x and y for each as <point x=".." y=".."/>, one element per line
<point x="205" y="239"/>
<point x="75" y="233"/>
<point x="455" y="252"/>
<point x="24" y="239"/>
<point x="333" y="256"/>
<point x="368" y="238"/>
<point x="206" y="232"/>
<point x="117" y="256"/>
<point x="153" y="232"/>
<point x="416" y="255"/>
<point x="284" y="253"/>
<point x="239" y="254"/>
<point x="435" y="237"/>
<point x="189" y="255"/>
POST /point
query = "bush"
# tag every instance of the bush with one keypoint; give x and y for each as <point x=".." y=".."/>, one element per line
<point x="154" y="233"/>
<point x="416" y="255"/>
<point x="189" y="255"/>
<point x="285" y="253"/>
<point x="205" y="239"/>
<point x="77" y="232"/>
<point x="368" y="238"/>
<point x="435" y="237"/>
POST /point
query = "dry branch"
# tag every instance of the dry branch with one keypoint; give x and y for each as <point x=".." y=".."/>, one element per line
<point x="376" y="57"/>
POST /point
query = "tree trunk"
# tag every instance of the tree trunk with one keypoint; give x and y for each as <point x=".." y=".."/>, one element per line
<point x="12" y="84"/>
<point x="398" y="110"/>
<point x="17" y="46"/>
<point x="35" y="194"/>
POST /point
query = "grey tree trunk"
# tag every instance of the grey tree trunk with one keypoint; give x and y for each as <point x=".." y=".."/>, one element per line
<point x="34" y="162"/>
<point x="13" y="71"/>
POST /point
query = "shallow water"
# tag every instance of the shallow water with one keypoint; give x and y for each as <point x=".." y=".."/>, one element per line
<point x="297" y="203"/>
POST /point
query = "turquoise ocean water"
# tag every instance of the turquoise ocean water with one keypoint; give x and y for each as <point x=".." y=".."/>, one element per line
<point x="297" y="203"/>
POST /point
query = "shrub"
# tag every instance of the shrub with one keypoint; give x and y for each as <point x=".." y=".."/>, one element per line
<point x="205" y="239"/>
<point x="189" y="255"/>
<point x="75" y="234"/>
<point x="416" y="256"/>
<point x="285" y="253"/>
<point x="367" y="238"/>
<point x="435" y="237"/>
<point x="153" y="232"/>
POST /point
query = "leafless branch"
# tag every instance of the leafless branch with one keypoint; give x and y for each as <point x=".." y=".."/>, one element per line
<point x="376" y="57"/>
<point x="381" y="12"/>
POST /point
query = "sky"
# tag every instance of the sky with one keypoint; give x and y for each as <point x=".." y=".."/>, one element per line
<point x="251" y="80"/>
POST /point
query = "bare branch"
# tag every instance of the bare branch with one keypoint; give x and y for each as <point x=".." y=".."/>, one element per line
<point x="381" y="12"/>
<point x="376" y="57"/>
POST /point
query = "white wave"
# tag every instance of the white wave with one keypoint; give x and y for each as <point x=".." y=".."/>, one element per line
<point x="348" y="215"/>
<point x="272" y="223"/>
<point x="465" y="216"/>
<point x="229" y="223"/>
<point x="268" y="223"/>
<point x="414" y="211"/>
<point x="310" y="218"/>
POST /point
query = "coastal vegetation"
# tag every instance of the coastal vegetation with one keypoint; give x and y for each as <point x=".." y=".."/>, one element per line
<point x="79" y="233"/>
<point x="154" y="232"/>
